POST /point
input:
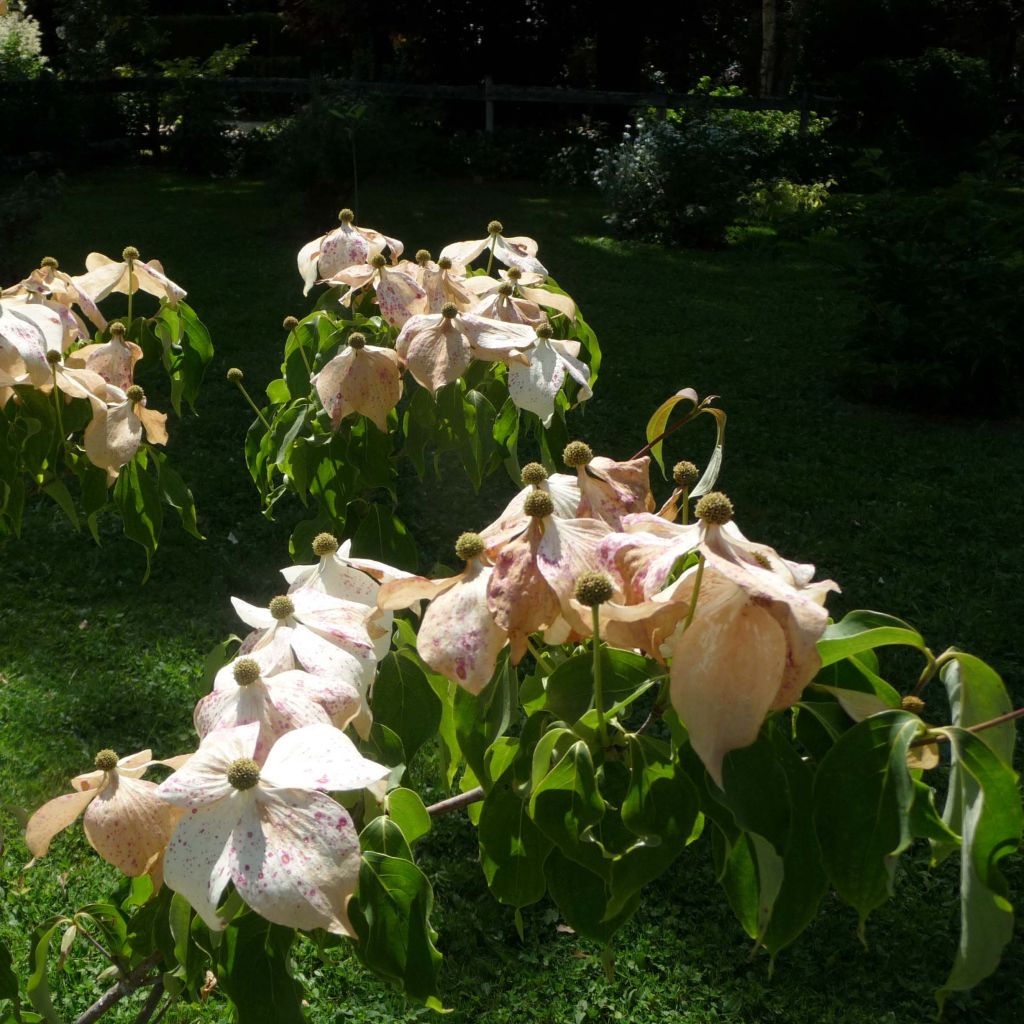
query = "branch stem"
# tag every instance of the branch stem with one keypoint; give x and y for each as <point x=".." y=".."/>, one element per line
<point x="602" y="725"/>
<point x="455" y="803"/>
<point x="670" y="429"/>
<point x="125" y="987"/>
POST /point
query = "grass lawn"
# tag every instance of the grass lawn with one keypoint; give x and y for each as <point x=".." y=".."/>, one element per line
<point x="916" y="516"/>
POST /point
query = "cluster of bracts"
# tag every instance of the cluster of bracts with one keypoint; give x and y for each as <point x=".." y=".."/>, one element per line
<point x="45" y="344"/>
<point x="570" y="555"/>
<point x="445" y="317"/>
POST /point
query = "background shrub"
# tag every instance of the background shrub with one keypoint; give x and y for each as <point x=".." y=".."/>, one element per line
<point x="942" y="280"/>
<point x="681" y="177"/>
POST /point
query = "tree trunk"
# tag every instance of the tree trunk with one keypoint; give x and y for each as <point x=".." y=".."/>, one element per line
<point x="768" y="46"/>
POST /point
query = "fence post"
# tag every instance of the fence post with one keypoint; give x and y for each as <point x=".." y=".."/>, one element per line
<point x="488" y="106"/>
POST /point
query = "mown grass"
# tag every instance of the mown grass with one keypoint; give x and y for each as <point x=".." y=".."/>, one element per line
<point x="915" y="516"/>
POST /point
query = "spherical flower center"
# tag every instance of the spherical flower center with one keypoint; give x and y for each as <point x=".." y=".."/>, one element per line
<point x="325" y="543"/>
<point x="912" y="704"/>
<point x="534" y="473"/>
<point x="49" y="261"/>
<point x="290" y="323"/>
<point x="235" y="375"/>
<point x="545" y="331"/>
<point x="594" y="588"/>
<point x="378" y="261"/>
<point x="106" y="760"/>
<point x="495" y="227"/>
<point x="346" y="216"/>
<point x="117" y="329"/>
<point x="135" y="393"/>
<point x="356" y="340"/>
<point x="714" y="508"/>
<point x="514" y="273"/>
<point x="246" y="671"/>
<point x="506" y="288"/>
<point x="577" y="453"/>
<point x="130" y="253"/>
<point x="469" y="545"/>
<point x="53" y="356"/>
<point x="445" y="263"/>
<point x="685" y="474"/>
<point x="243" y="773"/>
<point x="538" y="504"/>
<point x="422" y="256"/>
<point x="281" y="607"/>
<point x="449" y="310"/>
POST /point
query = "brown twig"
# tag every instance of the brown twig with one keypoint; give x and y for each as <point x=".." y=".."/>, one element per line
<point x="941" y="737"/>
<point x="670" y="429"/>
<point x="125" y="987"/>
<point x="455" y="803"/>
<point x="151" y="1003"/>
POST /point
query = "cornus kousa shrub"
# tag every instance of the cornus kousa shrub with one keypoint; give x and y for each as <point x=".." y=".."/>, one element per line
<point x="613" y="672"/>
<point x="75" y="425"/>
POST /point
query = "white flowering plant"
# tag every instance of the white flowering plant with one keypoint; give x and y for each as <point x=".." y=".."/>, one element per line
<point x="608" y="678"/>
<point x="75" y="425"/>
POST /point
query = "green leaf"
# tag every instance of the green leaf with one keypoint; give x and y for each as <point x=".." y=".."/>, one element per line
<point x="37" y="985"/>
<point x="512" y="848"/>
<point x="391" y="917"/>
<point x="137" y="497"/>
<point x="661" y="808"/>
<point x="254" y="969"/>
<point x="384" y="537"/>
<point x="57" y="490"/>
<point x="383" y="835"/>
<point x="176" y="493"/>
<point x="863" y="794"/>
<point x="863" y="631"/>
<point x="990" y="826"/>
<point x="582" y="897"/>
<point x="570" y="688"/>
<point x="407" y="810"/>
<point x="977" y="694"/>
<point x="567" y="803"/>
<point x="481" y="719"/>
<point x="477" y="437"/>
<point x="770" y="791"/>
<point x="9" y="982"/>
<point x="405" y="702"/>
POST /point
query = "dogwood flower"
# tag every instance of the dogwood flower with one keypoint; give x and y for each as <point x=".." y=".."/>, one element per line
<point x="398" y="294"/>
<point x="525" y="297"/>
<point x="291" y="852"/>
<point x="309" y="629"/>
<point x="125" y="822"/>
<point x="49" y="283"/>
<point x="28" y="331"/>
<point x="535" y="575"/>
<point x="287" y="700"/>
<point x="458" y="636"/>
<point x="751" y="644"/>
<point x="119" y="419"/>
<point x="105" y="276"/>
<point x="443" y="282"/>
<point x="438" y="348"/>
<point x="609" y="490"/>
<point x="534" y="386"/>
<point x="113" y="360"/>
<point x="519" y="251"/>
<point x="563" y="489"/>
<point x="362" y="379"/>
<point x="345" y="246"/>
